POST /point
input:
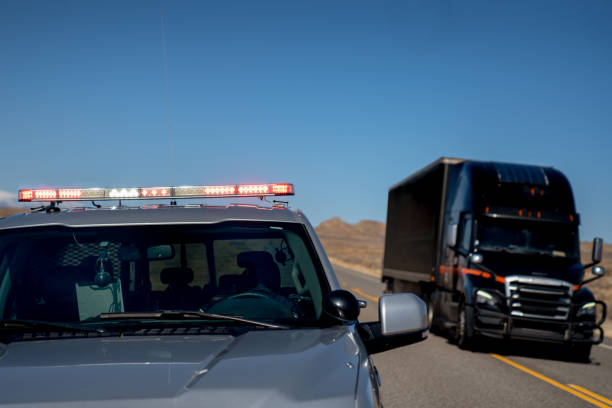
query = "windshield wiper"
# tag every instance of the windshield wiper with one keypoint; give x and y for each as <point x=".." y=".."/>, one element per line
<point x="38" y="325"/>
<point x="511" y="249"/>
<point x="184" y="315"/>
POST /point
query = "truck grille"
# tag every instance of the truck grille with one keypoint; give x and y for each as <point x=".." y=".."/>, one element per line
<point x="541" y="298"/>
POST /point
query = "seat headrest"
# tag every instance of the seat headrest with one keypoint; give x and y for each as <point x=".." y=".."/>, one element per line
<point x="252" y="258"/>
<point x="262" y="265"/>
<point x="176" y="276"/>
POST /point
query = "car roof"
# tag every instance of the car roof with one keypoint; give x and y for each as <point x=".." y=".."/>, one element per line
<point x="152" y="215"/>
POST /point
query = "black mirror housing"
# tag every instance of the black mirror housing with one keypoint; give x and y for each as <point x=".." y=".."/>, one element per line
<point x="340" y="307"/>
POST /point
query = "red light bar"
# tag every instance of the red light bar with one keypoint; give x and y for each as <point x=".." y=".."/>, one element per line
<point x="151" y="193"/>
<point x="155" y="192"/>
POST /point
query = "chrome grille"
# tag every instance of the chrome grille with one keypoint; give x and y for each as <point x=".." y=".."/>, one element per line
<point x="541" y="298"/>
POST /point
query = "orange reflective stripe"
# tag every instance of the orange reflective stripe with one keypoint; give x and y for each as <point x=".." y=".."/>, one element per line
<point x="446" y="269"/>
<point x="476" y="272"/>
<point x="470" y="271"/>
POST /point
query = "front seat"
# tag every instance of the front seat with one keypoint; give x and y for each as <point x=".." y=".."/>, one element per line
<point x="178" y="295"/>
<point x="59" y="291"/>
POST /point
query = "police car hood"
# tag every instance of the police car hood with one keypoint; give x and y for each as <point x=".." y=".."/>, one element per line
<point x="267" y="368"/>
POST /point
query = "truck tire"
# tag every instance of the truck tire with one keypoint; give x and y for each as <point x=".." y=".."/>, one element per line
<point x="464" y="331"/>
<point x="430" y="312"/>
<point x="580" y="352"/>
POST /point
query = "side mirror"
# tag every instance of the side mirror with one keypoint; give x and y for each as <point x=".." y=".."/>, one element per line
<point x="340" y="307"/>
<point x="597" y="250"/>
<point x="451" y="237"/>
<point x="403" y="321"/>
<point x="598" y="271"/>
<point x="402" y="313"/>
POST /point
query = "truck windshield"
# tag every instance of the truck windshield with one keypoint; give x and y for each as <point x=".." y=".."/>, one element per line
<point x="259" y="272"/>
<point x="528" y="237"/>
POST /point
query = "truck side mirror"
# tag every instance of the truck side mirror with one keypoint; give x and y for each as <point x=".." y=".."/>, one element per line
<point x="597" y="250"/>
<point x="451" y="237"/>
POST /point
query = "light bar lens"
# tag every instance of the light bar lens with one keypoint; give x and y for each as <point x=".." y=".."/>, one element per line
<point x="68" y="193"/>
<point x="281" y="189"/>
<point x="219" y="190"/>
<point x="137" y="193"/>
<point x="155" y="192"/>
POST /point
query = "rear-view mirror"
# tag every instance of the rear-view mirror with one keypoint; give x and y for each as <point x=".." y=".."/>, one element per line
<point x="160" y="252"/>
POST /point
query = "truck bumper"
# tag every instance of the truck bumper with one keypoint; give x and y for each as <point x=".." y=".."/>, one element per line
<point x="501" y="325"/>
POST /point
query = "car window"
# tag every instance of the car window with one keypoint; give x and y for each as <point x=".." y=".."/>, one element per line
<point x="67" y="275"/>
<point x="195" y="258"/>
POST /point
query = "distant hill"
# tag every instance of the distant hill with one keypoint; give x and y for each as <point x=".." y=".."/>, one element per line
<point x="360" y="246"/>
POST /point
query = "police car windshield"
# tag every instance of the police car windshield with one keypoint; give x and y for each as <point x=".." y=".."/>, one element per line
<point x="255" y="271"/>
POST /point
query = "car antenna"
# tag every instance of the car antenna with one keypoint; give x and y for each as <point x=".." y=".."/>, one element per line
<point x="163" y="33"/>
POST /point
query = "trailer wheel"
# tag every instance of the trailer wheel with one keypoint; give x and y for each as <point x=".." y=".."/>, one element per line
<point x="464" y="331"/>
<point x="580" y="352"/>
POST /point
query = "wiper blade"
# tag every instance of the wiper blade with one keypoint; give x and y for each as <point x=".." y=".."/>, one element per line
<point x="498" y="248"/>
<point x="184" y="315"/>
<point x="518" y="250"/>
<point x="47" y="326"/>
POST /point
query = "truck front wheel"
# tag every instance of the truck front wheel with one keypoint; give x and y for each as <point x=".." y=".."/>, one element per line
<point x="464" y="332"/>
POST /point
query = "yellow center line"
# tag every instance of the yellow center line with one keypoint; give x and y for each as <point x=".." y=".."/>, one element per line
<point x="550" y="381"/>
<point x="591" y="393"/>
<point x="365" y="295"/>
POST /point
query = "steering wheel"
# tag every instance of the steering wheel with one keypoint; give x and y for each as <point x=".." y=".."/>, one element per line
<point x="251" y="294"/>
<point x="239" y="303"/>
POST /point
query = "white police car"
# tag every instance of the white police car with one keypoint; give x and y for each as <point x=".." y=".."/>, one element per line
<point x="193" y="305"/>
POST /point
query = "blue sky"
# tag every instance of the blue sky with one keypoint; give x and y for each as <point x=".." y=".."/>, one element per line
<point x="341" y="98"/>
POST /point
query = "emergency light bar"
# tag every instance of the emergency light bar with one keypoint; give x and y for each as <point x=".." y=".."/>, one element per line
<point x="148" y="193"/>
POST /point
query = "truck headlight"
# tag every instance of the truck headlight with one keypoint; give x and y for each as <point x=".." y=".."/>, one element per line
<point x="586" y="310"/>
<point x="487" y="300"/>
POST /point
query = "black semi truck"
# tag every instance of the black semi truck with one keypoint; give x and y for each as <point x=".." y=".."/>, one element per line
<point x="493" y="248"/>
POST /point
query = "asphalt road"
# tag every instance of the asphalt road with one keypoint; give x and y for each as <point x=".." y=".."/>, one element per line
<point x="435" y="373"/>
